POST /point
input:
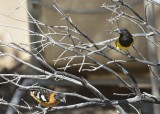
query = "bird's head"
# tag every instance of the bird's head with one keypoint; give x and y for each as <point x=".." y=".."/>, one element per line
<point x="122" y="31"/>
<point x="60" y="97"/>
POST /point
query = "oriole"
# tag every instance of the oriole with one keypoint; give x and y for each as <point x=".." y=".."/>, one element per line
<point x="125" y="39"/>
<point x="46" y="98"/>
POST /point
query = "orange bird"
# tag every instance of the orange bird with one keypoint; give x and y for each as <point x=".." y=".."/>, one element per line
<point x="46" y="98"/>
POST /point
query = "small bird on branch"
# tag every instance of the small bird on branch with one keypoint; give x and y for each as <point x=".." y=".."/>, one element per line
<point x="47" y="98"/>
<point x="125" y="39"/>
<point x="44" y="97"/>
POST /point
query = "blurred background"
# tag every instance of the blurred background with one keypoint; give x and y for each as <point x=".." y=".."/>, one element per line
<point x="92" y="19"/>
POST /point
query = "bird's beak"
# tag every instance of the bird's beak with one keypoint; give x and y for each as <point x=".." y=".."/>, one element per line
<point x="63" y="100"/>
<point x="117" y="30"/>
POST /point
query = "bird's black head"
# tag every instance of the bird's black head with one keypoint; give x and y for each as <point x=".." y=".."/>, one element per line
<point x="60" y="97"/>
<point x="122" y="31"/>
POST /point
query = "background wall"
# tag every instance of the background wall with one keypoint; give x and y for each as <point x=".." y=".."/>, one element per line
<point x="13" y="28"/>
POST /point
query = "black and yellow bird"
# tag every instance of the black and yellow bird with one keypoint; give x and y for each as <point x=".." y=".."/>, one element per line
<point x="46" y="98"/>
<point x="125" y="39"/>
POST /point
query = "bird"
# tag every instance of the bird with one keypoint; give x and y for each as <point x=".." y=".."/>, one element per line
<point x="125" y="39"/>
<point x="46" y="98"/>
